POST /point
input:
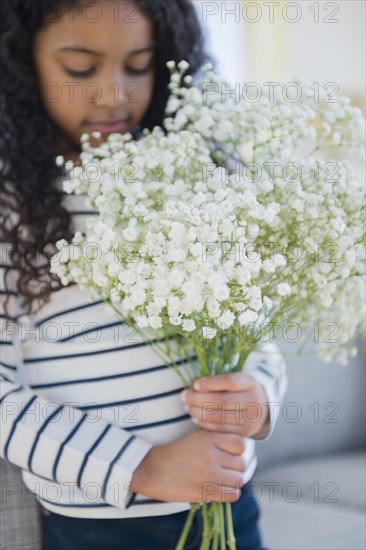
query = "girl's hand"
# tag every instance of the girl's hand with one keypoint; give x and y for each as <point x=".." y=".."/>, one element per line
<point x="202" y="466"/>
<point x="230" y="403"/>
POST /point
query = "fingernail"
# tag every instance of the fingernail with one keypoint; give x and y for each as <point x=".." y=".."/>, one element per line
<point x="196" y="385"/>
<point x="186" y="408"/>
<point x="183" y="396"/>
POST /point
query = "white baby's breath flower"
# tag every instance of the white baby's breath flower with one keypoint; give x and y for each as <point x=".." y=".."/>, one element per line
<point x="336" y="138"/>
<point x="345" y="271"/>
<point x="176" y="319"/>
<point x="284" y="289"/>
<point x="209" y="332"/>
<point x="269" y="266"/>
<point x="247" y="317"/>
<point x="130" y="234"/>
<point x="155" y="321"/>
<point x="226" y="319"/>
<point x="60" y="160"/>
<point x="189" y="325"/>
<point x="353" y="351"/>
<point x="279" y="260"/>
<point x="247" y="152"/>
<point x="256" y="304"/>
<point x="240" y="306"/>
<point x="298" y="205"/>
<point x="183" y="65"/>
<point x="326" y="299"/>
<point x="254" y="292"/>
<point x="213" y="307"/>
<point x="68" y="186"/>
<point x="142" y="321"/>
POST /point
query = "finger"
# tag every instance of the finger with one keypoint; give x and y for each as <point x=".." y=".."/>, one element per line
<point x="236" y="463"/>
<point x="213" y="414"/>
<point x="230" y="443"/>
<point x="233" y="381"/>
<point x="224" y="492"/>
<point x="222" y="428"/>
<point x="225" y="401"/>
<point x="247" y="415"/>
<point x="233" y="479"/>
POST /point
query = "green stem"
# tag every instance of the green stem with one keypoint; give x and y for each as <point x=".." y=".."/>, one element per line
<point x="206" y="537"/>
<point x="230" y="528"/>
<point x="187" y="526"/>
<point x="216" y="525"/>
<point x="221" y="522"/>
<point x="222" y="531"/>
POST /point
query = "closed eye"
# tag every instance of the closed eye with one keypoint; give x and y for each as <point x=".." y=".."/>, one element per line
<point x="85" y="74"/>
<point x="79" y="74"/>
<point x="138" y="71"/>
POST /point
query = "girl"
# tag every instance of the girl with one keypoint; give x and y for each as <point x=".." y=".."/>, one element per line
<point x="90" y="415"/>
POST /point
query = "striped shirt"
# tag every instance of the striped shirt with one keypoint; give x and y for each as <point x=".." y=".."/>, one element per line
<point x="83" y="399"/>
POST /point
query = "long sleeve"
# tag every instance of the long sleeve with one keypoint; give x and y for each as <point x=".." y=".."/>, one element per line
<point x="269" y="368"/>
<point x="54" y="441"/>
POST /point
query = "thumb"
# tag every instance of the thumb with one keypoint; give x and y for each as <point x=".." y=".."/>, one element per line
<point x="234" y="381"/>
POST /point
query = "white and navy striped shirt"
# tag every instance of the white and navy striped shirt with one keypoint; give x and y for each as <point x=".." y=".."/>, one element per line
<point x="83" y="400"/>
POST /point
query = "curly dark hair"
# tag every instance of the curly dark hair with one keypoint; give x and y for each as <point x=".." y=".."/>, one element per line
<point x="32" y="217"/>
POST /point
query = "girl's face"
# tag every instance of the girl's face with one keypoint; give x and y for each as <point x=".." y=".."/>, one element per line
<point x="95" y="66"/>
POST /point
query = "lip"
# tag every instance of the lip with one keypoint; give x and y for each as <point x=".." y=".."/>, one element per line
<point x="105" y="126"/>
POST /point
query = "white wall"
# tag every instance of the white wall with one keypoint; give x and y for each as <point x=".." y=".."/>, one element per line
<point x="329" y="50"/>
<point x="225" y="37"/>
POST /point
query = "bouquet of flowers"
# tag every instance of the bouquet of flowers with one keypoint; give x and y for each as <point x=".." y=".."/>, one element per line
<point x="216" y="229"/>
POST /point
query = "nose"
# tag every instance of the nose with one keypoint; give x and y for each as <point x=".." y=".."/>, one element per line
<point x="114" y="90"/>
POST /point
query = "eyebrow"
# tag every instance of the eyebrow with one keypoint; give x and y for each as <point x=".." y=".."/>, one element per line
<point x="80" y="49"/>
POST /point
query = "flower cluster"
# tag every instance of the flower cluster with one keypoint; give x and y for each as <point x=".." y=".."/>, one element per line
<point x="180" y="240"/>
<point x="265" y="128"/>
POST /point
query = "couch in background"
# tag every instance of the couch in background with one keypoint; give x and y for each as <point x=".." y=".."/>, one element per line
<point x="311" y="476"/>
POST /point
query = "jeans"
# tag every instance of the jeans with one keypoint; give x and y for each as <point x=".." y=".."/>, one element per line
<point x="148" y="533"/>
